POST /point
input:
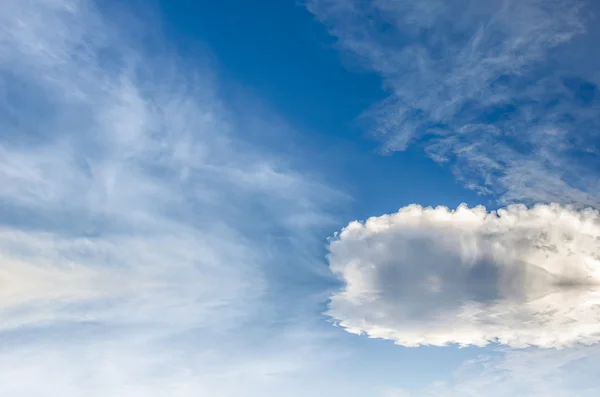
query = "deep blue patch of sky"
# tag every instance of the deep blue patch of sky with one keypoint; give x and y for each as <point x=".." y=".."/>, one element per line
<point x="281" y="54"/>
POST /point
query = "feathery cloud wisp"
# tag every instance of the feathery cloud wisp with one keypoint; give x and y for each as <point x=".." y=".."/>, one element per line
<point x="137" y="222"/>
<point x="506" y="91"/>
<point x="529" y="372"/>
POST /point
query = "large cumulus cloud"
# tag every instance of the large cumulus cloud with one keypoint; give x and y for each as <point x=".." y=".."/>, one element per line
<point x="433" y="276"/>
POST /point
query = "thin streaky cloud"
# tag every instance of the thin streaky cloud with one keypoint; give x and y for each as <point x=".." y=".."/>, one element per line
<point x="136" y="242"/>
<point x="504" y="91"/>
<point x="536" y="373"/>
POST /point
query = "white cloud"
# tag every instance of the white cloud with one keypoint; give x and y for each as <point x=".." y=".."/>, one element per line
<point x="137" y="248"/>
<point x="531" y="372"/>
<point x="396" y="393"/>
<point x="432" y="276"/>
<point x="520" y="373"/>
<point x="503" y="90"/>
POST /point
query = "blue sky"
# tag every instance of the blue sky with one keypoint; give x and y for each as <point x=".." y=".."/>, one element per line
<point x="255" y="199"/>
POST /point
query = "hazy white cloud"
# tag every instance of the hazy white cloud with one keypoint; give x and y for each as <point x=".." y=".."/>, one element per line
<point x="148" y="363"/>
<point x="506" y="91"/>
<point x="530" y="372"/>
<point x="138" y="223"/>
<point x="434" y="276"/>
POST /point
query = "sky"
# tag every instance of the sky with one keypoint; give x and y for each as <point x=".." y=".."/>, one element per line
<point x="290" y="198"/>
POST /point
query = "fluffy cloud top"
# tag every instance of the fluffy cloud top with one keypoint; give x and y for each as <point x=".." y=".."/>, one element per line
<point x="432" y="276"/>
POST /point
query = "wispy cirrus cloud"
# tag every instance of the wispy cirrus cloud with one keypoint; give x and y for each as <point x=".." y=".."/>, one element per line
<point x="536" y="373"/>
<point x="505" y="91"/>
<point x="141" y="231"/>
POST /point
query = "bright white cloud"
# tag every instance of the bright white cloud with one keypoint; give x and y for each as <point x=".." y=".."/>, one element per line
<point x="433" y="276"/>
<point x="138" y="224"/>
<point x="506" y="91"/>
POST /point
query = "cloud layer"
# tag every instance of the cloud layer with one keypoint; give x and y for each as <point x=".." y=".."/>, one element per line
<point x="505" y="91"/>
<point x="530" y="372"/>
<point x="433" y="276"/>
<point x="141" y="229"/>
